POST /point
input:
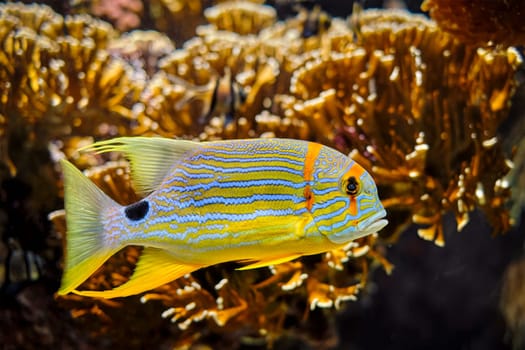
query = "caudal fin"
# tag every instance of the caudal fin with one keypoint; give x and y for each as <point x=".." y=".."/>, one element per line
<point x="86" y="248"/>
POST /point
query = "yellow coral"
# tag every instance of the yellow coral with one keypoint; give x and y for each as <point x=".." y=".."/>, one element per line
<point x="419" y="109"/>
<point x="242" y="17"/>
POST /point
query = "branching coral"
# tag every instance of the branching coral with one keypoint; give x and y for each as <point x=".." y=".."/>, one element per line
<point x="240" y="17"/>
<point x="166" y="12"/>
<point x="286" y="43"/>
<point x="42" y="19"/>
<point x="480" y="22"/>
<point x="416" y="107"/>
<point x="223" y="73"/>
<point x="60" y="79"/>
<point x="422" y="117"/>
<point x="218" y="75"/>
<point x="142" y="49"/>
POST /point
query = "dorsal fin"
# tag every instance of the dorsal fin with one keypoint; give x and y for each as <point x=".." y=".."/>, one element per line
<point x="151" y="158"/>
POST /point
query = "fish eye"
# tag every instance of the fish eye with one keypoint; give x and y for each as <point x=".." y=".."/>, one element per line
<point x="352" y="186"/>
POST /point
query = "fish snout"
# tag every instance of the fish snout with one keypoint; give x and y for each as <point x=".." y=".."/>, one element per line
<point x="375" y="222"/>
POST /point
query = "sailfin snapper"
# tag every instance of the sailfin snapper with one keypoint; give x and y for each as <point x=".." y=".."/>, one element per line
<point x="260" y="201"/>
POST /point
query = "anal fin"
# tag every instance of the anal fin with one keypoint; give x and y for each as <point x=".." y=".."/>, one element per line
<point x="270" y="261"/>
<point x="154" y="268"/>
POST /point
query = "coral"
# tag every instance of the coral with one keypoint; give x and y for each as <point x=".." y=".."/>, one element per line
<point x="286" y="43"/>
<point x="166" y="12"/>
<point x="480" y="22"/>
<point x="415" y="106"/>
<point x="240" y="17"/>
<point x="60" y="79"/>
<point x="143" y="50"/>
<point x="42" y="19"/>
<point x="188" y="91"/>
<point x="426" y="93"/>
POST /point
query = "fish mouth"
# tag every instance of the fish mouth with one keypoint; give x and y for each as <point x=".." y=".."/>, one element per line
<point x="369" y="226"/>
<point x="374" y="223"/>
<point x="377" y="225"/>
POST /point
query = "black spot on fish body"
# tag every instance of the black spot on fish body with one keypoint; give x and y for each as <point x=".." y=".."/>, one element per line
<point x="137" y="211"/>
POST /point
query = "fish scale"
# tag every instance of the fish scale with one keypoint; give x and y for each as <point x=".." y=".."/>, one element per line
<point x="262" y="201"/>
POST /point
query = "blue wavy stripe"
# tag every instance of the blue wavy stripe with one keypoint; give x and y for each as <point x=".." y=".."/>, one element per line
<point x="206" y="217"/>
<point x="260" y="146"/>
<point x="200" y="203"/>
<point x="244" y="170"/>
<point x="237" y="184"/>
<point x="251" y="160"/>
<point x="329" y="203"/>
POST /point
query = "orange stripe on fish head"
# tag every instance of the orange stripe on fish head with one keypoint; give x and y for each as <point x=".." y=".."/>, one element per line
<point x="311" y="155"/>
<point x="355" y="171"/>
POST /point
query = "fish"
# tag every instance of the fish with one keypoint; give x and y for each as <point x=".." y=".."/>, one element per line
<point x="222" y="97"/>
<point x="355" y="20"/>
<point x="259" y="202"/>
<point x="226" y="99"/>
<point x="312" y="20"/>
<point x="315" y="22"/>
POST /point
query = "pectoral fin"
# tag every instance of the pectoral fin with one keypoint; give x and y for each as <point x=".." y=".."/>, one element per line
<point x="270" y="261"/>
<point x="154" y="268"/>
<point x="301" y="225"/>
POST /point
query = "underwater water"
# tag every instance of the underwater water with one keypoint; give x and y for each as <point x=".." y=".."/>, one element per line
<point x="433" y="113"/>
<point x="444" y="298"/>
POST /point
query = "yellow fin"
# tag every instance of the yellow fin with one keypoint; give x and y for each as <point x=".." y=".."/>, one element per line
<point x="154" y="268"/>
<point x="269" y="261"/>
<point x="86" y="246"/>
<point x="151" y="158"/>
